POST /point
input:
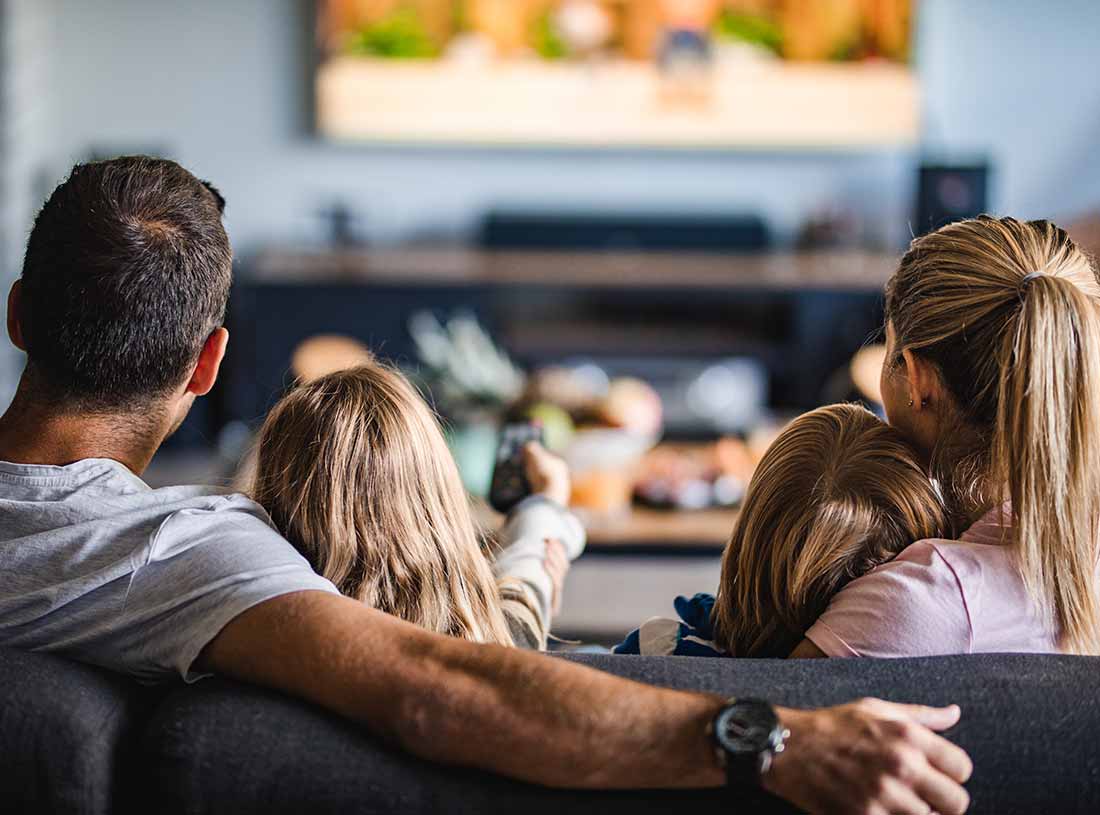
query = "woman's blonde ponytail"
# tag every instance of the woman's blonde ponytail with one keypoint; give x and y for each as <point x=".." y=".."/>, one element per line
<point x="1046" y="447"/>
<point x="1009" y="313"/>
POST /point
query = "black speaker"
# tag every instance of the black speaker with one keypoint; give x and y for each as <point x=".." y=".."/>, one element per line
<point x="948" y="193"/>
<point x="624" y="232"/>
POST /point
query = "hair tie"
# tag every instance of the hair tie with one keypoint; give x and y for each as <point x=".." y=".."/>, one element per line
<point x="1022" y="286"/>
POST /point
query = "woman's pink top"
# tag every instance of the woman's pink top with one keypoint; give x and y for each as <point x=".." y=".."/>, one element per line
<point x="939" y="597"/>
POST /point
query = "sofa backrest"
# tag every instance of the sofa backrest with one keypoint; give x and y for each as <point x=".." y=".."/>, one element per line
<point x="1029" y="722"/>
<point x="73" y="739"/>
<point x="67" y="735"/>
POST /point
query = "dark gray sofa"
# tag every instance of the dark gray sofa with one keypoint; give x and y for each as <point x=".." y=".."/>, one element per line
<point x="75" y="739"/>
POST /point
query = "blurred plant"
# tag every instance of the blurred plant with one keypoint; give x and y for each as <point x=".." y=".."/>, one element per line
<point x="460" y="16"/>
<point x="754" y="29"/>
<point x="398" y="35"/>
<point x="463" y="368"/>
<point x="546" y="40"/>
<point x="847" y="51"/>
<point x="559" y="29"/>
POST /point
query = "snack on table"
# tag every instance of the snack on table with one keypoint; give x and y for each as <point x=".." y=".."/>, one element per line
<point x="632" y="405"/>
<point x="695" y="476"/>
<point x="602" y="427"/>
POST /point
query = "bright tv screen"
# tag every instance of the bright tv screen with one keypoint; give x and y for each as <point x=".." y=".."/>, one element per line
<point x="657" y="73"/>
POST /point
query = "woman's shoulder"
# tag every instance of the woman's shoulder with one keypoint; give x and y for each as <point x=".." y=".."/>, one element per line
<point x="982" y="545"/>
<point x="912" y="606"/>
<point x="926" y="566"/>
<point x="981" y="552"/>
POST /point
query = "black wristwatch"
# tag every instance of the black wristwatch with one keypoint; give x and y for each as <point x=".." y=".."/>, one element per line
<point x="747" y="737"/>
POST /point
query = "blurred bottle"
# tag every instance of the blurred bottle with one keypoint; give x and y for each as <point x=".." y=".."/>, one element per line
<point x="685" y="57"/>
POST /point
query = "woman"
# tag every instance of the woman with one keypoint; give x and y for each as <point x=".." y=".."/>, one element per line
<point x="353" y="469"/>
<point x="993" y="372"/>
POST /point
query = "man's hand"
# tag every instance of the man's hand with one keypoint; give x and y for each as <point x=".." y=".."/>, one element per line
<point x="547" y="474"/>
<point x="871" y="758"/>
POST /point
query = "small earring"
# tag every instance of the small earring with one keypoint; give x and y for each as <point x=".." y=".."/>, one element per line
<point x="910" y="403"/>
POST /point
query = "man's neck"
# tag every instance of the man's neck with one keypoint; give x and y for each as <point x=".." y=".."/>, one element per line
<point x="34" y="432"/>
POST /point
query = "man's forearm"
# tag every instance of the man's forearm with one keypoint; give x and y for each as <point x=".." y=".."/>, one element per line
<point x="531" y="717"/>
<point x="555" y="723"/>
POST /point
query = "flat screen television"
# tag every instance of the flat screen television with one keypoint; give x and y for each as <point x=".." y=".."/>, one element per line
<point x="768" y="74"/>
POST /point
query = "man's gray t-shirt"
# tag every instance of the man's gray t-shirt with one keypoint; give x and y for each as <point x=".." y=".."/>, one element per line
<point x="96" y="565"/>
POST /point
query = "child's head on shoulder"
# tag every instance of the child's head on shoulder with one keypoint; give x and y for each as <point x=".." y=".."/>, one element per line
<point x="838" y="493"/>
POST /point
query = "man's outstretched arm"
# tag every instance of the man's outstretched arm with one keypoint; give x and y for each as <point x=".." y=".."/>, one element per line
<point x="556" y="723"/>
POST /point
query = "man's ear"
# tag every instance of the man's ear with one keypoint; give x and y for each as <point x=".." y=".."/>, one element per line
<point x="210" y="361"/>
<point x="15" y="321"/>
<point x="925" y="387"/>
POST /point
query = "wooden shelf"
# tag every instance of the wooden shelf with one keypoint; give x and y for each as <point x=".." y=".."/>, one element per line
<point x="648" y="529"/>
<point x="824" y="270"/>
<point x="745" y="104"/>
<point x="666" y="529"/>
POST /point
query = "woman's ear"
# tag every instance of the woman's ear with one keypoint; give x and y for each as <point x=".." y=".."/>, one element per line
<point x="924" y="384"/>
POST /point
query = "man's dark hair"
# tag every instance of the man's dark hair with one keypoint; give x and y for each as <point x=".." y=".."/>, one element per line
<point x="126" y="275"/>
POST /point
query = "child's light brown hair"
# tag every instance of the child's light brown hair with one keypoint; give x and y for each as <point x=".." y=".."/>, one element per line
<point x="354" y="470"/>
<point x="838" y="493"/>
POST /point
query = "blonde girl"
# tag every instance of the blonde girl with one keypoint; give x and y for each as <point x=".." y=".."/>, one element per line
<point x="354" y="471"/>
<point x="993" y="372"/>
<point x="838" y="493"/>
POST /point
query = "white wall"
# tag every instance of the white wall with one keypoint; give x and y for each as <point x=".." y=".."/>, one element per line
<point x="1019" y="79"/>
<point x="222" y="86"/>
<point x="26" y="107"/>
<point x="25" y="145"/>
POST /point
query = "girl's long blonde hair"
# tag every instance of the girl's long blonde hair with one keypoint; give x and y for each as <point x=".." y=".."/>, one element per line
<point x="838" y="493"/>
<point x="1009" y="314"/>
<point x="354" y="470"/>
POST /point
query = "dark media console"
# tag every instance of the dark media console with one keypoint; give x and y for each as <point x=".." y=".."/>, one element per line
<point x="801" y="316"/>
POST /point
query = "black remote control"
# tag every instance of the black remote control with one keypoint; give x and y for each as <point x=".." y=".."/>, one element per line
<point x="510" y="485"/>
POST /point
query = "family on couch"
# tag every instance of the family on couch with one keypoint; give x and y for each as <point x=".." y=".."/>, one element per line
<point x="353" y="577"/>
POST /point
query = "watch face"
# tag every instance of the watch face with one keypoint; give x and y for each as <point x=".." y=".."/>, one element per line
<point x="748" y="727"/>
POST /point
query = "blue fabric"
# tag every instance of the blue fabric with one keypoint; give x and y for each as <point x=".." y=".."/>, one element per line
<point x="692" y="636"/>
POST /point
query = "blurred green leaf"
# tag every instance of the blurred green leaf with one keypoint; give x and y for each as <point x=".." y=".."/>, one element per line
<point x="398" y="35"/>
<point x="750" y="28"/>
<point x="547" y="42"/>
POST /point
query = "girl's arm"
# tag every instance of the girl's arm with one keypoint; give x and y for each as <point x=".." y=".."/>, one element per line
<point x="523" y="611"/>
<point x="807" y="650"/>
<point x="528" y="583"/>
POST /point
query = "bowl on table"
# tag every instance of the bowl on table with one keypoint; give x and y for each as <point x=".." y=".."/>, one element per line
<point x="604" y="464"/>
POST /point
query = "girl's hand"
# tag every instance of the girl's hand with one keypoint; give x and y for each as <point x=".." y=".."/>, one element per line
<point x="557" y="566"/>
<point x="547" y="474"/>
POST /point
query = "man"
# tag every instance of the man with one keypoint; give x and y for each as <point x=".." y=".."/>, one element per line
<point x="120" y="311"/>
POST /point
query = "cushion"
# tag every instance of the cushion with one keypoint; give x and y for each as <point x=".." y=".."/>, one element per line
<point x="1029" y="722"/>
<point x="64" y="735"/>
